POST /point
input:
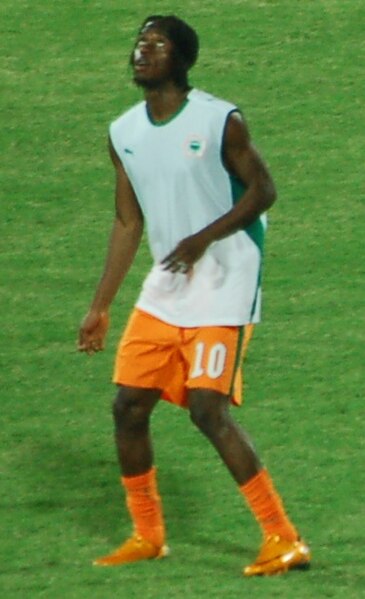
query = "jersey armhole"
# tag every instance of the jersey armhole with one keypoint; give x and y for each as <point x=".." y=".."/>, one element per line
<point x="117" y="150"/>
<point x="229" y="114"/>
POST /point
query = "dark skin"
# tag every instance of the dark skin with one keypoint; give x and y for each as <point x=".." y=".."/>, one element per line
<point x="209" y="410"/>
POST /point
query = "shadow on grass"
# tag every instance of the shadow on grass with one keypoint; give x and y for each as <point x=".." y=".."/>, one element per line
<point x="60" y="477"/>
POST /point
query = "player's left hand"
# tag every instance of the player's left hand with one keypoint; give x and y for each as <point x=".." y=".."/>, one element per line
<point x="187" y="252"/>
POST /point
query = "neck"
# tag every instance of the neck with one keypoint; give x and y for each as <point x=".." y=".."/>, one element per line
<point x="163" y="102"/>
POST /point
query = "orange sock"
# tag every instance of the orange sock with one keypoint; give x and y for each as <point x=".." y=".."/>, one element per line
<point x="144" y="506"/>
<point x="267" y="507"/>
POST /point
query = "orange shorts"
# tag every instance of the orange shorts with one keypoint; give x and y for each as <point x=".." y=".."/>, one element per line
<point x="155" y="355"/>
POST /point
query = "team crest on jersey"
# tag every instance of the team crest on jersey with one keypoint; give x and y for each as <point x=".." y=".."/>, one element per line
<point x="195" y="146"/>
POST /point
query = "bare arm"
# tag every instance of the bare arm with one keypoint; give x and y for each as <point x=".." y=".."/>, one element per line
<point x="243" y="161"/>
<point x="123" y="244"/>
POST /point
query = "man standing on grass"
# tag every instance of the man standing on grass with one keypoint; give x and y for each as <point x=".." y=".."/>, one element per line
<point x="186" y="167"/>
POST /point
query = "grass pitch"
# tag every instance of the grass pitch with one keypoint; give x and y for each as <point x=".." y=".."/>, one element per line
<point x="294" y="68"/>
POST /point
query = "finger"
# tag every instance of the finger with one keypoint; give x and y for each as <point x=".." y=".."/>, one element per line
<point x="87" y="350"/>
<point x="98" y="344"/>
<point x="82" y="346"/>
<point x="175" y="267"/>
<point x="89" y="346"/>
<point x="172" y="258"/>
<point x="92" y="348"/>
<point x="168" y="264"/>
<point x="168" y="259"/>
<point x="171" y="266"/>
<point x="84" y="338"/>
<point x="176" y="264"/>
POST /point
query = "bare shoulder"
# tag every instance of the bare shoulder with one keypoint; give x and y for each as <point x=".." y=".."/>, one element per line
<point x="238" y="150"/>
<point x="114" y="156"/>
<point x="243" y="160"/>
<point x="236" y="133"/>
<point x="126" y="203"/>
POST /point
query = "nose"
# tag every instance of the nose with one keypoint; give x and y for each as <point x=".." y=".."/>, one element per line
<point x="145" y="47"/>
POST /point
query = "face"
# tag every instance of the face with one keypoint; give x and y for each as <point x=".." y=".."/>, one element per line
<point x="152" y="58"/>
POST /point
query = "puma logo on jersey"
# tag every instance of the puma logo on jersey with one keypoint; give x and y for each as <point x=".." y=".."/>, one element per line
<point x="128" y="151"/>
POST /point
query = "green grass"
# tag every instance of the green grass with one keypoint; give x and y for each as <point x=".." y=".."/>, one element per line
<point x="294" y="68"/>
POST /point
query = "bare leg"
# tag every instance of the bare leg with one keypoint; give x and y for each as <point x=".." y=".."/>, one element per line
<point x="132" y="410"/>
<point x="209" y="411"/>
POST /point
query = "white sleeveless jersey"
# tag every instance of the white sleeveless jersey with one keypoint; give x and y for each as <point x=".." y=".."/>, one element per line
<point x="180" y="182"/>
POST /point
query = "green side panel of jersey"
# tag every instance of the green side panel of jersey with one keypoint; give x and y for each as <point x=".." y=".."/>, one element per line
<point x="238" y="356"/>
<point x="256" y="230"/>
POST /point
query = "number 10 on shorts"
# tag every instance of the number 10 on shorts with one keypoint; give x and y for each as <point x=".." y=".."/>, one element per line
<point x="214" y="358"/>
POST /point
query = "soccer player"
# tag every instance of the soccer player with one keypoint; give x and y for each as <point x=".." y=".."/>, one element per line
<point x="187" y="169"/>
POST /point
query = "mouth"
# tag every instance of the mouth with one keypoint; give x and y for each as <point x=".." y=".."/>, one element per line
<point x="141" y="64"/>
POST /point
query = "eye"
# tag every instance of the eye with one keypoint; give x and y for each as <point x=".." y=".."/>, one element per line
<point x="156" y="44"/>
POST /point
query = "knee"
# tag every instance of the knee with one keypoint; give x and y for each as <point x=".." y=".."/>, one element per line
<point x="129" y="409"/>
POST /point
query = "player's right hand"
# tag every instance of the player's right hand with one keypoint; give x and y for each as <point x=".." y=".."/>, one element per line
<point x="92" y="332"/>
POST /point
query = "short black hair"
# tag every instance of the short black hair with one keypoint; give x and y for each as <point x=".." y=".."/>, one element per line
<point x="185" y="44"/>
